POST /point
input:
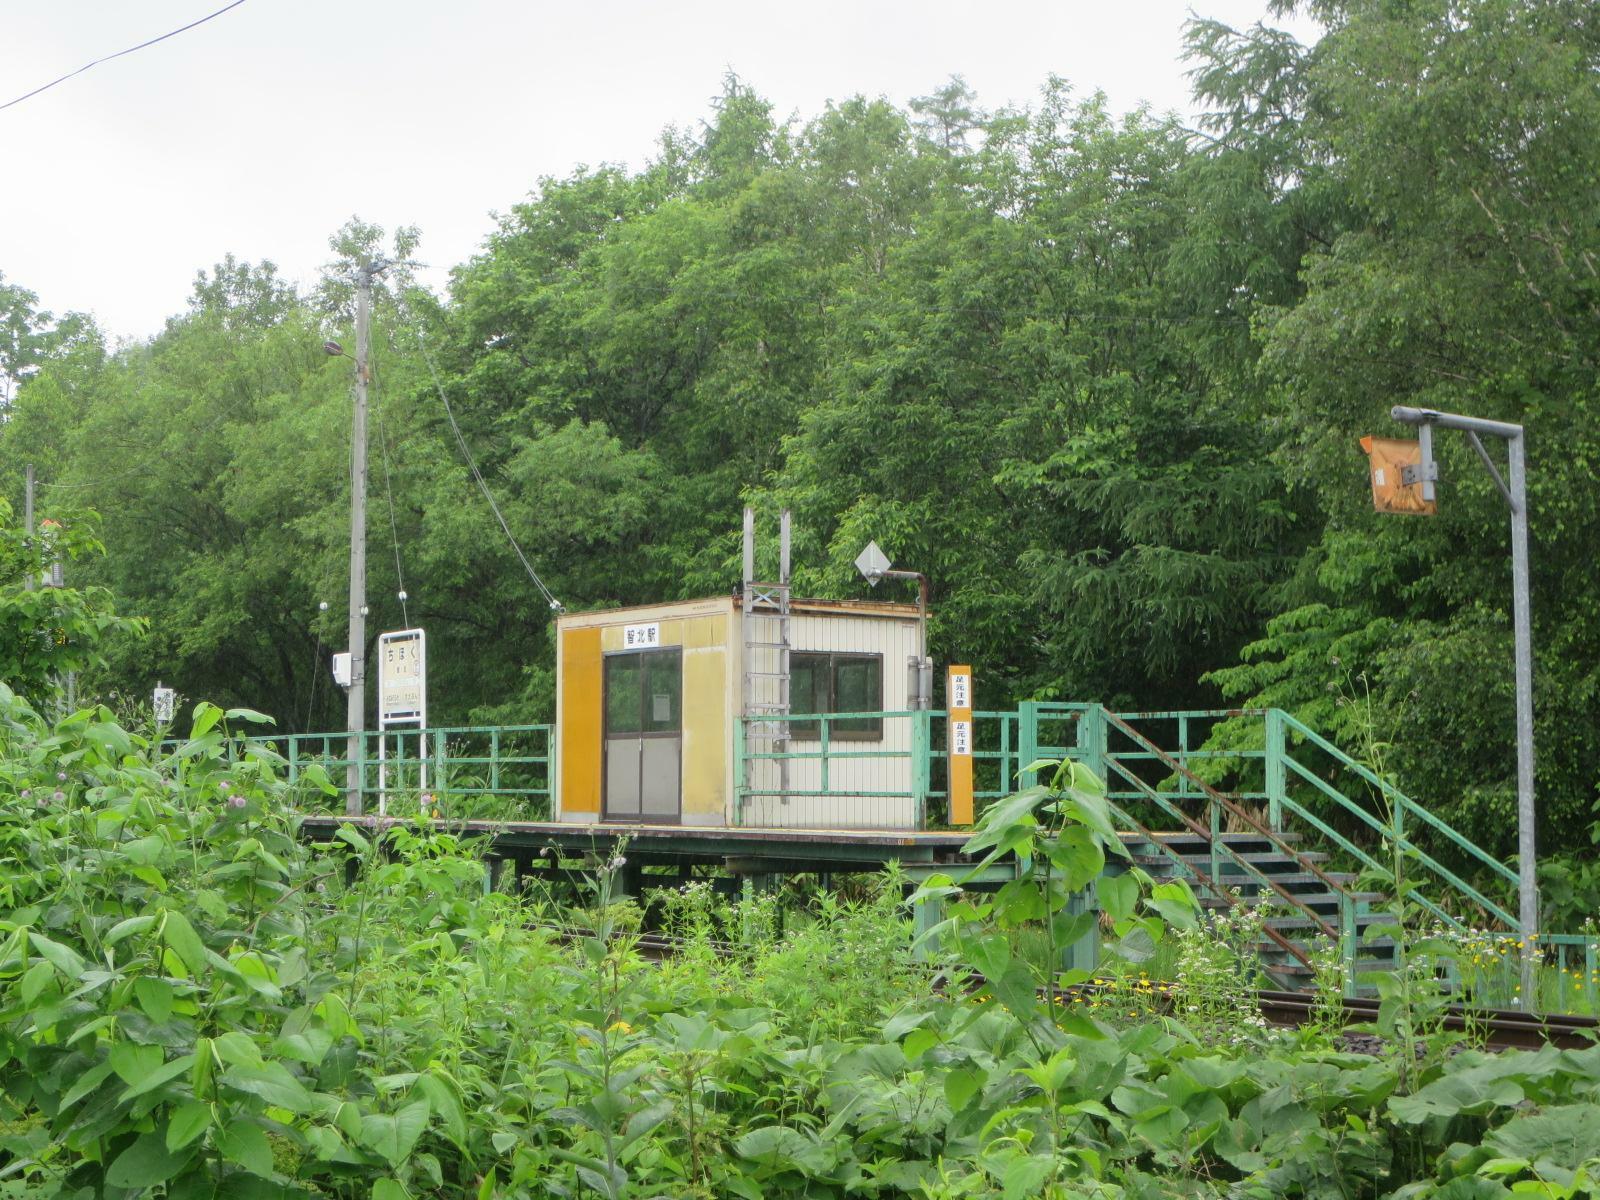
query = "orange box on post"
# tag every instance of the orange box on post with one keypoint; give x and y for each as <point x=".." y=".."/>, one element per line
<point x="1390" y="494"/>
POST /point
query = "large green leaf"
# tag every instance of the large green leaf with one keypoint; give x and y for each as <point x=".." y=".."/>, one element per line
<point x="781" y="1147"/>
<point x="146" y="1162"/>
<point x="244" y="1142"/>
<point x="188" y="1122"/>
<point x="274" y="1083"/>
<point x="160" y="1076"/>
<point x="1556" y="1141"/>
<point x="63" y="958"/>
<point x="392" y="1135"/>
<point x="1118" y="895"/>
<point x="1452" y="1095"/>
<point x="134" y="1062"/>
<point x="185" y="942"/>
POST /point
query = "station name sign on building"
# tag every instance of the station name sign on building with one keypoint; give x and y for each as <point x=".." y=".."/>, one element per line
<point x="641" y="637"/>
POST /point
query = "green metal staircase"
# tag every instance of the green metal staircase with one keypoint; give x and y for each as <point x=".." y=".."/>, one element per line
<point x="1279" y="817"/>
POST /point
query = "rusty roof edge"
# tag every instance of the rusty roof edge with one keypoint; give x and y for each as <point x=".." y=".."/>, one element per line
<point x="866" y="608"/>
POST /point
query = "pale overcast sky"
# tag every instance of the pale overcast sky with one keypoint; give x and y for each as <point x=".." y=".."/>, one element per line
<point x="260" y="132"/>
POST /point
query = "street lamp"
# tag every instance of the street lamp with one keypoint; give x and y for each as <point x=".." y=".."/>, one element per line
<point x="1423" y="474"/>
<point x="874" y="566"/>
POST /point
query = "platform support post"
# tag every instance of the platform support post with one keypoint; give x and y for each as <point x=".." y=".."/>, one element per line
<point x="926" y="915"/>
<point x="1083" y="954"/>
<point x="1027" y="743"/>
<point x="1347" y="942"/>
<point x="740" y="787"/>
<point x="1214" y="841"/>
<point x="1092" y="741"/>
<point x="1277" y="781"/>
<point x="921" y="765"/>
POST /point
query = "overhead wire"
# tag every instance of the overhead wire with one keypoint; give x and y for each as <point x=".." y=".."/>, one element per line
<point x="120" y="53"/>
<point x="394" y="530"/>
<point x="483" y="486"/>
<point x="316" y="673"/>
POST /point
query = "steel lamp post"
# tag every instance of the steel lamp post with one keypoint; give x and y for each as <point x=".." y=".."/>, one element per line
<point x="1513" y="489"/>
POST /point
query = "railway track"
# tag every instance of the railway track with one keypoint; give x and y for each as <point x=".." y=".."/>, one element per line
<point x="1494" y="1029"/>
<point x="1497" y="1028"/>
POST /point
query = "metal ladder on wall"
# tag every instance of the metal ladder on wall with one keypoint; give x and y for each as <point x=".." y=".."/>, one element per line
<point x="764" y="620"/>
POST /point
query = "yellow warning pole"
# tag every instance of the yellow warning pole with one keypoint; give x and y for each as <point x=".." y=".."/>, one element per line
<point x="958" y="699"/>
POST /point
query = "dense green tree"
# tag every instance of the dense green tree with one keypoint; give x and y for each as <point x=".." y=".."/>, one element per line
<point x="1100" y="376"/>
<point x="1462" y="275"/>
<point x="46" y="631"/>
<point x="30" y="335"/>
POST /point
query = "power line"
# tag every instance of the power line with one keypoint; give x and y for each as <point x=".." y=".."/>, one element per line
<point x="394" y="531"/>
<point x="173" y="33"/>
<point x="483" y="487"/>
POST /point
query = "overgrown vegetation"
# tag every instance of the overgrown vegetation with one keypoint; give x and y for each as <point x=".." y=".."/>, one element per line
<point x="196" y="1002"/>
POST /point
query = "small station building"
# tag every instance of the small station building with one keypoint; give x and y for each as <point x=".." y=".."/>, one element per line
<point x="649" y="702"/>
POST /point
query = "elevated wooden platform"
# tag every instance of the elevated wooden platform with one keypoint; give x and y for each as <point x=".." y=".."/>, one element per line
<point x="742" y="851"/>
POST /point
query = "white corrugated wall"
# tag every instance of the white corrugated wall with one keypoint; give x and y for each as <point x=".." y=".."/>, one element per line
<point x="896" y="639"/>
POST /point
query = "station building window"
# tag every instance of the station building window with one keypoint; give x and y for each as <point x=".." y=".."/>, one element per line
<point x="830" y="683"/>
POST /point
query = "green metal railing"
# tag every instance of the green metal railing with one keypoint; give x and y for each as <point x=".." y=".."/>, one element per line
<point x="1161" y="767"/>
<point x="1300" y="784"/>
<point x="914" y="768"/>
<point x="1305" y="785"/>
<point x="1208" y="772"/>
<point x="882" y="780"/>
<point x="1396" y="814"/>
<point x="504" y="771"/>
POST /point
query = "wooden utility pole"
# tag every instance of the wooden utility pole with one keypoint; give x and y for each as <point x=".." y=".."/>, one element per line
<point x="356" y="706"/>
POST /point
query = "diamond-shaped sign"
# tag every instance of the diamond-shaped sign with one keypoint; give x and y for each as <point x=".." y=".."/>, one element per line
<point x="872" y="563"/>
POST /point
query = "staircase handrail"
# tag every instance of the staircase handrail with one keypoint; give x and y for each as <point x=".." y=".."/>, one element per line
<point x="1227" y="805"/>
<point x="1422" y="856"/>
<point x="1399" y="803"/>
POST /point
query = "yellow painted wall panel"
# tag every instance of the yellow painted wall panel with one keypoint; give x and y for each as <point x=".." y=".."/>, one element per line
<point x="580" y="720"/>
<point x="705" y="731"/>
<point x="705" y="633"/>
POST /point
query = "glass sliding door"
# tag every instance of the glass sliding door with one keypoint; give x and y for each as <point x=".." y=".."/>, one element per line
<point x="644" y="735"/>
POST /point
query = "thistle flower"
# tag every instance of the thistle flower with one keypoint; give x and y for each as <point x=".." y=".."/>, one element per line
<point x="61" y="776"/>
<point x="26" y="792"/>
<point x="236" y="802"/>
<point x="225" y="786"/>
<point x="59" y="797"/>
